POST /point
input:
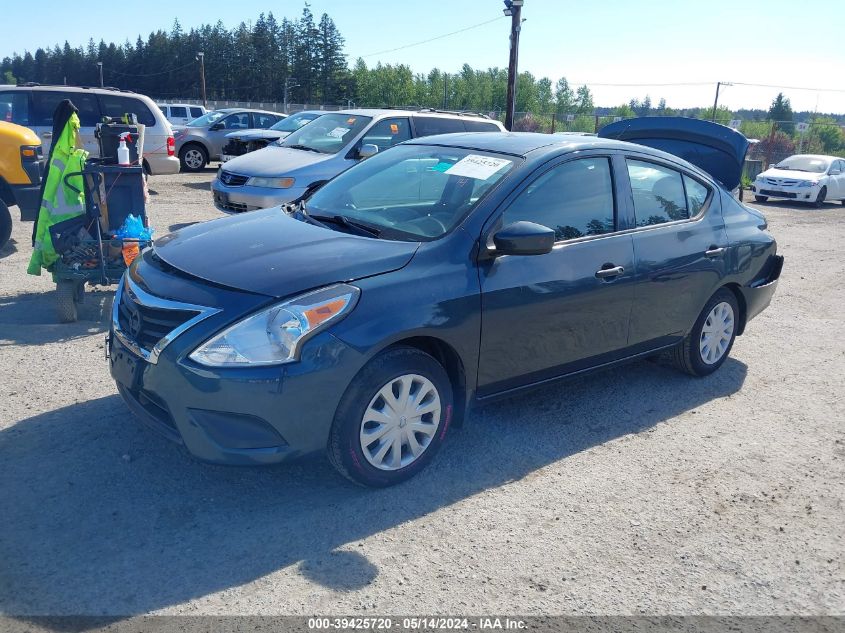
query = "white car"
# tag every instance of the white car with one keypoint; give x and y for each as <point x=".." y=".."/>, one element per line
<point x="181" y="113"/>
<point x="803" y="177"/>
<point x="32" y="105"/>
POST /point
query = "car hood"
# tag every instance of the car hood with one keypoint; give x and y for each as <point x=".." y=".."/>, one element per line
<point x="790" y="174"/>
<point x="716" y="149"/>
<point x="253" y="135"/>
<point x="270" y="253"/>
<point x="274" y="161"/>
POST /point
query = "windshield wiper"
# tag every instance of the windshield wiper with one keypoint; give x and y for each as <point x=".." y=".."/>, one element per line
<point x="353" y="226"/>
<point x="305" y="147"/>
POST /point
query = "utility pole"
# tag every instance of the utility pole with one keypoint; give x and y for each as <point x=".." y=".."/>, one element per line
<point x="719" y="84"/>
<point x="445" y="89"/>
<point x="513" y="8"/>
<point x="100" y="66"/>
<point x="290" y="82"/>
<point x="201" y="58"/>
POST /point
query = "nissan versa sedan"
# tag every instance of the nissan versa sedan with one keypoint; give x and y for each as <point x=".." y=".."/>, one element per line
<point x="448" y="270"/>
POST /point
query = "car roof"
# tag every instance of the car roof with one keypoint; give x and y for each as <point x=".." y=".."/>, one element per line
<point x="183" y="105"/>
<point x="536" y="144"/>
<point x="242" y="110"/>
<point x="385" y="112"/>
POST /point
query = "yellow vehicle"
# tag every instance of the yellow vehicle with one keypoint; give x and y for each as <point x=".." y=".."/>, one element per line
<point x="20" y="175"/>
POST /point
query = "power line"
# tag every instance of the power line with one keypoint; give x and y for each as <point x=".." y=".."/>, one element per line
<point x="439" y="37"/>
<point x="655" y="85"/>
<point x="739" y="83"/>
<point x="163" y="72"/>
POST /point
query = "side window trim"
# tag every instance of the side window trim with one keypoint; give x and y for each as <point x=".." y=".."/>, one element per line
<point x="494" y="220"/>
<point x="645" y="158"/>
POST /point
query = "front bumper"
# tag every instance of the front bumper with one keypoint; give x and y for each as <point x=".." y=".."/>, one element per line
<point x="28" y="199"/>
<point x="804" y="194"/>
<point x="249" y="198"/>
<point x="249" y="416"/>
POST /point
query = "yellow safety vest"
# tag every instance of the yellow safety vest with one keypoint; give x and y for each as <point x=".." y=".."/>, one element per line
<point x="60" y="202"/>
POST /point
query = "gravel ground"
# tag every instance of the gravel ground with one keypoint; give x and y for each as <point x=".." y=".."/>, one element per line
<point x="639" y="490"/>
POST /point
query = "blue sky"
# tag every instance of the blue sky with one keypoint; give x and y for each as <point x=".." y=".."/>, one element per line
<point x="607" y="42"/>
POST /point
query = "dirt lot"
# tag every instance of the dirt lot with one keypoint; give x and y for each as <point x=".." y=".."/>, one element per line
<point x="639" y="490"/>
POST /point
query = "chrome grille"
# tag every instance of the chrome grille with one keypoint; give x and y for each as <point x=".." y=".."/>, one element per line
<point x="232" y="180"/>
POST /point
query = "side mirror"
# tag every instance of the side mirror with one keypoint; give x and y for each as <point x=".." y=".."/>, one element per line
<point x="524" y="238"/>
<point x="367" y="150"/>
<point x="215" y="127"/>
<point x="835" y="172"/>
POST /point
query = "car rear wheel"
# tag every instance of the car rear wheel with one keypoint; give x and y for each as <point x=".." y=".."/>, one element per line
<point x="392" y="418"/>
<point x="761" y="198"/>
<point x="821" y="197"/>
<point x="707" y="346"/>
<point x="193" y="157"/>
<point x="5" y="224"/>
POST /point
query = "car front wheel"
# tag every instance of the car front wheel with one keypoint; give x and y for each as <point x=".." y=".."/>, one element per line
<point x="707" y="346"/>
<point x="193" y="157"/>
<point x="392" y="418"/>
<point x="761" y="198"/>
<point x="821" y="197"/>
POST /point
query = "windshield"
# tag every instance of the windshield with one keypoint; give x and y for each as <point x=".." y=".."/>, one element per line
<point x="207" y="119"/>
<point x="327" y="134"/>
<point x="293" y="122"/>
<point x="411" y="192"/>
<point x="812" y="164"/>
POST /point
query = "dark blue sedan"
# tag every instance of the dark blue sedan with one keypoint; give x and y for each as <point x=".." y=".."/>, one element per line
<point x="442" y="272"/>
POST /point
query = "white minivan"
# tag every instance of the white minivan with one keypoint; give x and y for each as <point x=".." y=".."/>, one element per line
<point x="181" y="113"/>
<point x="33" y="105"/>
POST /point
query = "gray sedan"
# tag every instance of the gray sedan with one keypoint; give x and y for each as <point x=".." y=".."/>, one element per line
<point x="202" y="139"/>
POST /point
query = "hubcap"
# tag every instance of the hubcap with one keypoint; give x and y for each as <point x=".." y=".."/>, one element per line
<point x="717" y="333"/>
<point x="400" y="422"/>
<point x="193" y="158"/>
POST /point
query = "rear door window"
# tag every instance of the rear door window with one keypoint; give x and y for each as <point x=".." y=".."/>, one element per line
<point x="658" y="193"/>
<point x="178" y="111"/>
<point x="45" y="103"/>
<point x="481" y="126"/>
<point x="429" y="125"/>
<point x="263" y="121"/>
<point x="117" y="105"/>
<point x="14" y="107"/>
<point x="697" y="194"/>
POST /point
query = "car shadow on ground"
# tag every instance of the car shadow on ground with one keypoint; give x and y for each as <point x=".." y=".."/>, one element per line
<point x="100" y="516"/>
<point x="199" y="186"/>
<point x="180" y="225"/>
<point x="32" y="319"/>
<point x="9" y="248"/>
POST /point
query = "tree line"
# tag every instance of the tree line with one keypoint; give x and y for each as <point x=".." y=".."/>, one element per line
<point x="255" y="61"/>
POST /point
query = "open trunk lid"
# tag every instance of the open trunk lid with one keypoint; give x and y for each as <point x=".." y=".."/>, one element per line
<point x="714" y="148"/>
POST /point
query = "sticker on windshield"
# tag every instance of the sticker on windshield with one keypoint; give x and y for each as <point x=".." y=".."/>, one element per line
<point x="338" y="132"/>
<point x="476" y="166"/>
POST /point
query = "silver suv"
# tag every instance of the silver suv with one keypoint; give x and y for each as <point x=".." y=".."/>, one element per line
<point x="202" y="140"/>
<point x="327" y="146"/>
<point x="33" y="105"/>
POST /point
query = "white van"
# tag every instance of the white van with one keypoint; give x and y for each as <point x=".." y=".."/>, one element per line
<point x="181" y="113"/>
<point x="32" y="105"/>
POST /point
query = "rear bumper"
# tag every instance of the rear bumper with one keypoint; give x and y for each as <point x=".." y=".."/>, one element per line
<point x="758" y="295"/>
<point x="162" y="164"/>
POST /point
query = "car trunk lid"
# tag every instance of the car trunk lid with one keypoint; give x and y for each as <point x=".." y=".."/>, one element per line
<point x="716" y="149"/>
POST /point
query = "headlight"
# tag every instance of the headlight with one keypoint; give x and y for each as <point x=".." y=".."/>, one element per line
<point x="274" y="335"/>
<point x="808" y="183"/>
<point x="273" y="183"/>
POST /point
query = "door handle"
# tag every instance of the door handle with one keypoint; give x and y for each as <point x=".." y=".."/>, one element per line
<point x="47" y="134"/>
<point x="713" y="252"/>
<point x="614" y="271"/>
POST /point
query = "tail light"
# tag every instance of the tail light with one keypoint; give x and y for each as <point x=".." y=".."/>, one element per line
<point x="171" y="146"/>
